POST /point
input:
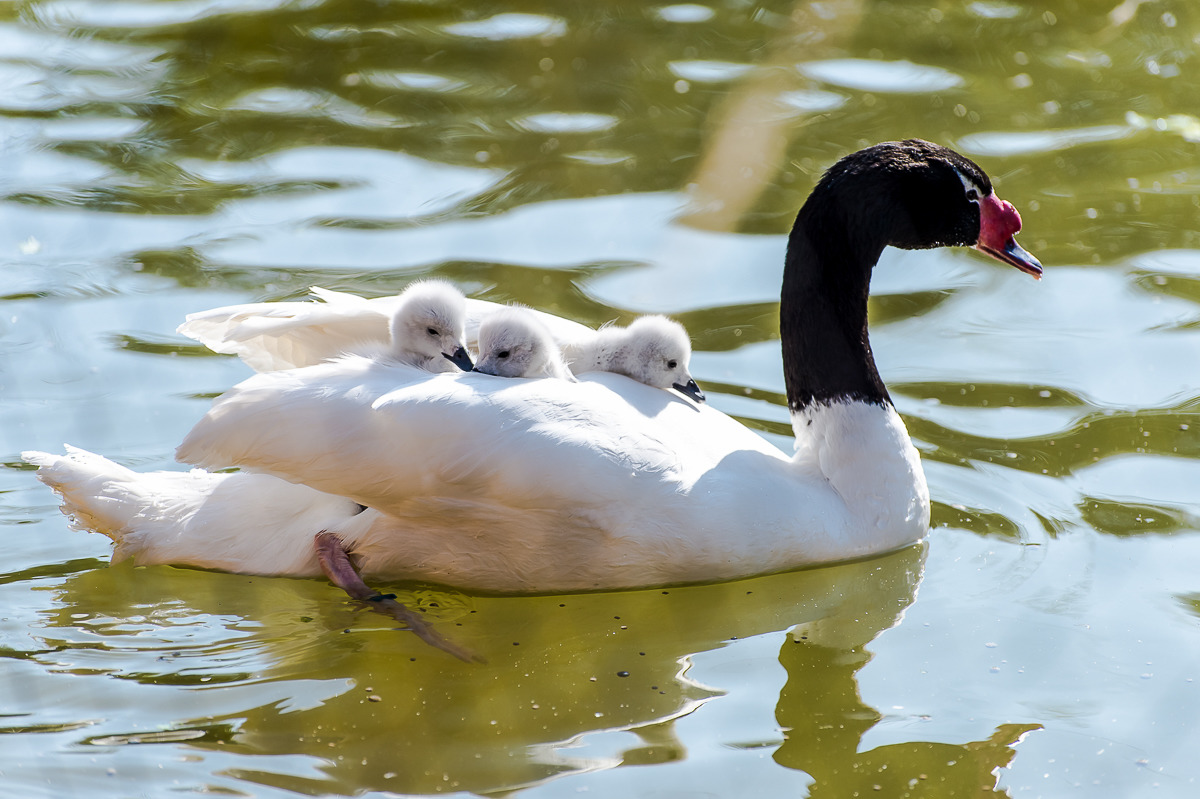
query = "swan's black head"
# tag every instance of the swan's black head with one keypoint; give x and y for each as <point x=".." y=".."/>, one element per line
<point x="910" y="194"/>
<point x="914" y="195"/>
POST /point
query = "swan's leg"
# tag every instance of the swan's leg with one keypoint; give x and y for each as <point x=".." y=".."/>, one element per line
<point x="338" y="568"/>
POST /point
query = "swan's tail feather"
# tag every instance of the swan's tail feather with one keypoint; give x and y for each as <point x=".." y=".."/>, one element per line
<point x="96" y="493"/>
<point x="251" y="523"/>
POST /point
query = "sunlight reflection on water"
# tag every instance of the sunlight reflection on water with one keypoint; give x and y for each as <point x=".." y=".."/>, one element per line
<point x="600" y="162"/>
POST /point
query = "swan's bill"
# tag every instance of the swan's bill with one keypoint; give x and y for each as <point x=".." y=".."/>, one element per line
<point x="1014" y="255"/>
<point x="999" y="222"/>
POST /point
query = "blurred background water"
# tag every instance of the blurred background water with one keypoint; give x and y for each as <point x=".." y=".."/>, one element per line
<point x="600" y="160"/>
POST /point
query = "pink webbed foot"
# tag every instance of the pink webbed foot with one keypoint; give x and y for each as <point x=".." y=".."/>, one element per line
<point x="341" y="572"/>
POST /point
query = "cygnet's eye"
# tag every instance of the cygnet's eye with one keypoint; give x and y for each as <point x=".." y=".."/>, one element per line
<point x="672" y="364"/>
<point x="431" y="331"/>
<point x="503" y="354"/>
<point x="972" y="195"/>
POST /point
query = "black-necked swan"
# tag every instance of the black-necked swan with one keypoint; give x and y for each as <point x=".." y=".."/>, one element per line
<point x="551" y="486"/>
<point x="513" y="343"/>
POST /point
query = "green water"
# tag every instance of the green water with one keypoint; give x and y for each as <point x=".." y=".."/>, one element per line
<point x="602" y="160"/>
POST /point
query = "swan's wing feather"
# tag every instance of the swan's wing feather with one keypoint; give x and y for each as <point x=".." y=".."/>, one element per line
<point x="286" y="335"/>
<point x="270" y="336"/>
<point x="333" y="296"/>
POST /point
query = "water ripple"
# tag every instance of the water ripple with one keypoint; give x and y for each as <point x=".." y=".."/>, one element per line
<point x="1142" y="478"/>
<point x="91" y="128"/>
<point x="1002" y="144"/>
<point x="811" y="101"/>
<point x="994" y="10"/>
<point x="411" y="81"/>
<point x="504" y="27"/>
<point x="302" y="103"/>
<point x="709" y="71"/>
<point x="132" y="14"/>
<point x="27" y="87"/>
<point x="549" y="235"/>
<point x="566" y="122"/>
<point x="688" y="13"/>
<point x="366" y="184"/>
<point x="43" y="169"/>
<point x="889" y="77"/>
<point x="44" y="47"/>
<point x="1172" y="262"/>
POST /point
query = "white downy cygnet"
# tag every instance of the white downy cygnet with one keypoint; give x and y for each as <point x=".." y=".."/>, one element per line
<point x="428" y="328"/>
<point x="653" y="350"/>
<point x="513" y="343"/>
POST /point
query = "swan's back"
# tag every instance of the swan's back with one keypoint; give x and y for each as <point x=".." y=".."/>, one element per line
<point x="511" y="483"/>
<point x="382" y="434"/>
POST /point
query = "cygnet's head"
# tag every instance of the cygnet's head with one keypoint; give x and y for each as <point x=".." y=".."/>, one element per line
<point x="429" y="325"/>
<point x="513" y="343"/>
<point x="657" y="354"/>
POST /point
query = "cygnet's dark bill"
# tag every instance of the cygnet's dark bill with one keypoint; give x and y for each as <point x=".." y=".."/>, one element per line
<point x="689" y="389"/>
<point x="461" y="359"/>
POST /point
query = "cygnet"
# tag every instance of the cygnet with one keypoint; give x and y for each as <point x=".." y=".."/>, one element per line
<point x="653" y="350"/>
<point x="428" y="328"/>
<point x="513" y="343"/>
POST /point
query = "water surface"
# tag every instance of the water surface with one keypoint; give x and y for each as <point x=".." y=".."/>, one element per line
<point x="602" y="161"/>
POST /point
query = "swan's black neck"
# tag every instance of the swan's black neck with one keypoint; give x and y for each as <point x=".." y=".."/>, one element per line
<point x="909" y="194"/>
<point x="823" y="311"/>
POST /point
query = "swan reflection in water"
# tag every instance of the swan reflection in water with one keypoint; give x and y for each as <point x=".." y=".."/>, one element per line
<point x="276" y="682"/>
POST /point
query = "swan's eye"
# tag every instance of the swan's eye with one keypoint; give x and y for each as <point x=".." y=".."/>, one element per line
<point x="672" y="364"/>
<point x="431" y="331"/>
<point x="503" y="354"/>
<point x="972" y="195"/>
